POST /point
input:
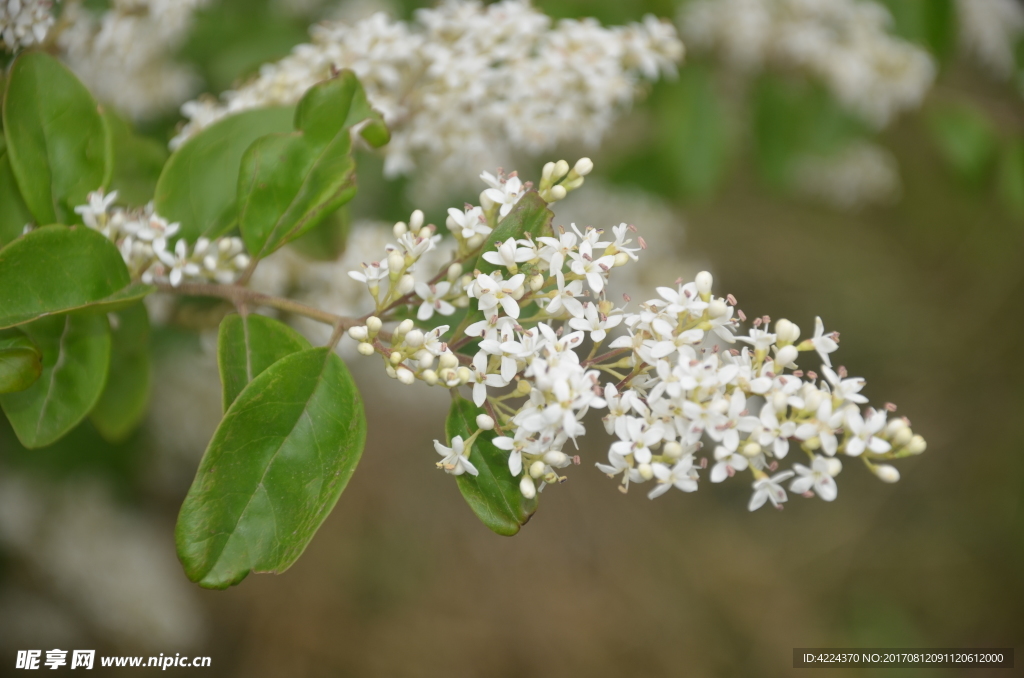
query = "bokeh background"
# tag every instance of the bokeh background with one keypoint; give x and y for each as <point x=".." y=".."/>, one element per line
<point x="402" y="580"/>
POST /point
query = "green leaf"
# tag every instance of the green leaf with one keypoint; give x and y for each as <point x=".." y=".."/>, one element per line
<point x="931" y="23"/>
<point x="694" y="131"/>
<point x="76" y="355"/>
<point x="289" y="182"/>
<point x="326" y="241"/>
<point x="138" y="161"/>
<point x="56" y="269"/>
<point x="494" y="494"/>
<point x="57" y="142"/>
<point x="125" y="398"/>
<point x="276" y="466"/>
<point x="247" y="346"/>
<point x="530" y="215"/>
<point x="198" y="186"/>
<point x="966" y="138"/>
<point x="14" y="214"/>
<point x="21" y="361"/>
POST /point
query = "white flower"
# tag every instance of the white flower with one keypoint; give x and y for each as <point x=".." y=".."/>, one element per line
<point x="508" y="255"/>
<point x="818" y="477"/>
<point x="845" y="389"/>
<point x="504" y="191"/>
<point x="178" y="262"/>
<point x="467" y="223"/>
<point x="593" y="322"/>
<point x="771" y="489"/>
<point x="594" y="270"/>
<point x="454" y="461"/>
<point x="684" y="300"/>
<point x="433" y="299"/>
<point x="682" y="476"/>
<point x="491" y="293"/>
<point x="729" y="461"/>
<point x="481" y="380"/>
<point x="823" y="343"/>
<point x="862" y="433"/>
<point x="567" y="298"/>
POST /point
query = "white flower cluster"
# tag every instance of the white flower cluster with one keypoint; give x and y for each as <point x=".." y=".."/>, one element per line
<point x="990" y="31"/>
<point x="465" y="83"/>
<point x="24" y="23"/>
<point x="125" y="55"/>
<point x="858" y="175"/>
<point x="844" y="43"/>
<point x="142" y="237"/>
<point x="672" y="388"/>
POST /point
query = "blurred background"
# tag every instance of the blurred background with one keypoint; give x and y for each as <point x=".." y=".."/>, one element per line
<point x="907" y="237"/>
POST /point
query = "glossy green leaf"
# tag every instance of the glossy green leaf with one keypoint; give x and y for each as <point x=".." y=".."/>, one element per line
<point x="530" y="215"/>
<point x="327" y="240"/>
<point x="289" y="182"/>
<point x="76" y="355"/>
<point x="966" y="138"/>
<point x="276" y="466"/>
<point x="57" y="142"/>
<point x="198" y="186"/>
<point x="21" y="361"/>
<point x="247" y="346"/>
<point x="55" y="269"/>
<point x="494" y="494"/>
<point x="14" y="214"/>
<point x="125" y="398"/>
<point x="138" y="161"/>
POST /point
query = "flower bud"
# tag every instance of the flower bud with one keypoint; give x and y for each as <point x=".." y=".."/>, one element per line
<point x="834" y="466"/>
<point x="475" y="241"/>
<point x="373" y="324"/>
<point x="405" y="375"/>
<point x="536" y="282"/>
<point x="416" y="221"/>
<point x="895" y="425"/>
<point x="414" y="338"/>
<point x="454" y="271"/>
<point x="464" y="374"/>
<point x="485" y="422"/>
<point x="903" y="437"/>
<point x="779" y="403"/>
<point x="523" y="387"/>
<point x="557" y="193"/>
<point x="672" y="450"/>
<point x="704" y="281"/>
<point x="537" y="469"/>
<point x="786" y="332"/>
<point x="887" y="473"/>
<point x="396" y="263"/>
<point x="645" y="471"/>
<point x="917" y="445"/>
<point x="556" y="459"/>
<point x="359" y="333"/>
<point x="391" y="371"/>
<point x="561" y="169"/>
<point x="447" y="360"/>
<point x="717" y="308"/>
<point x="425" y="359"/>
<point x="621" y="259"/>
<point x="405" y="285"/>
<point x="751" y="450"/>
<point x="396" y="357"/>
<point x="526" y="486"/>
<point x="583" y="166"/>
<point x="365" y="349"/>
<point x="545" y="174"/>
<point x="400" y="229"/>
<point x="404" y="327"/>
<point x="429" y="376"/>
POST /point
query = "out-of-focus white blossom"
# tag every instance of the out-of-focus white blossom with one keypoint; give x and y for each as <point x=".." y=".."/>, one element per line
<point x="844" y="43"/>
<point x="465" y="83"/>
<point x="125" y="54"/>
<point x="860" y="175"/>
<point x="990" y="31"/>
<point x="24" y="23"/>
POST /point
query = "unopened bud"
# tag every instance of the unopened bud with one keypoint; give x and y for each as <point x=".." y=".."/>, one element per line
<point x="704" y="281"/>
<point x="895" y="425"/>
<point x="903" y="437"/>
<point x="485" y="422"/>
<point x="373" y="324"/>
<point x="672" y="450"/>
<point x="537" y="469"/>
<point x="400" y="229"/>
<point x="751" y="450"/>
<point x="396" y="263"/>
<point x="405" y="375"/>
<point x="834" y="466"/>
<point x="557" y="193"/>
<point x="404" y="327"/>
<point x="390" y="371"/>
<point x="414" y="338"/>
<point x="621" y="259"/>
<point x="583" y="167"/>
<point x="396" y="357"/>
<point x="786" y="332"/>
<point x="917" y="445"/>
<point x="523" y="387"/>
<point x="536" y="282"/>
<point x="447" y="360"/>
<point x="454" y="271"/>
<point x="365" y="349"/>
<point x="779" y="402"/>
<point x="561" y="169"/>
<point x="786" y="356"/>
<point x="429" y="376"/>
<point x="645" y="471"/>
<point x="359" y="333"/>
<point x="556" y="459"/>
<point x="464" y="374"/>
<point x="887" y="473"/>
<point x="405" y="285"/>
<point x="527" y="488"/>
<point x="416" y="221"/>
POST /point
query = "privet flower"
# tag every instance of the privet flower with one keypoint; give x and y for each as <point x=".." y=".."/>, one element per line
<point x="142" y="236"/>
<point x="688" y="384"/>
<point x="466" y="82"/>
<point x="846" y="44"/>
<point x="24" y="23"/>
